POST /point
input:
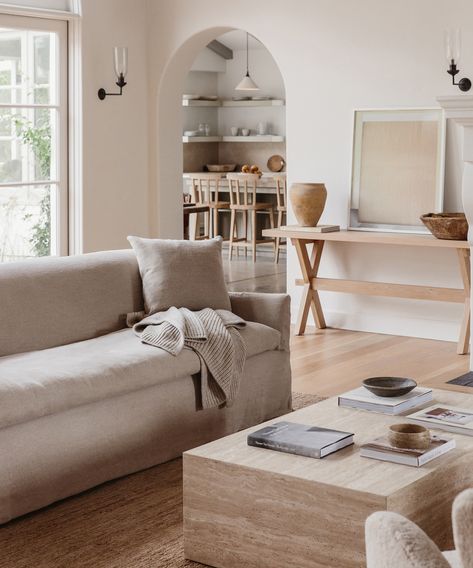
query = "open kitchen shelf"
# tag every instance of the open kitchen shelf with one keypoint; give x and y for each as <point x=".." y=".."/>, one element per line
<point x="270" y="103"/>
<point x="201" y="103"/>
<point x="201" y="139"/>
<point x="230" y="103"/>
<point x="266" y="138"/>
<point x="187" y="139"/>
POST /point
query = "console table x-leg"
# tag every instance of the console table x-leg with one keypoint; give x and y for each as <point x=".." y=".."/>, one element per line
<point x="309" y="261"/>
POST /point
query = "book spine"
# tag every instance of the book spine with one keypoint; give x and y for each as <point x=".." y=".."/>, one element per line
<point x="286" y="448"/>
<point x="437" y="452"/>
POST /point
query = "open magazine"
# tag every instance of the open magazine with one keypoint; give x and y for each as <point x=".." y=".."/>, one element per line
<point x="445" y="418"/>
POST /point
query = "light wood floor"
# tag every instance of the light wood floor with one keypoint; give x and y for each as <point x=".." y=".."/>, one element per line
<point x="331" y="361"/>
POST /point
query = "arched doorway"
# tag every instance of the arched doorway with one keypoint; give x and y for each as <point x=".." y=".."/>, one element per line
<point x="167" y="158"/>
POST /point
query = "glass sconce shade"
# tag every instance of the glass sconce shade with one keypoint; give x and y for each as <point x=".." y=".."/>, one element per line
<point x="453" y="45"/>
<point x="121" y="61"/>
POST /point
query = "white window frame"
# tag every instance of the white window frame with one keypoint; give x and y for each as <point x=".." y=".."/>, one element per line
<point x="75" y="153"/>
<point x="59" y="104"/>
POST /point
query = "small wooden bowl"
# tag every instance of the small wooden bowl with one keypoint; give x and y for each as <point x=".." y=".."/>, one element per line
<point x="451" y="226"/>
<point x="412" y="436"/>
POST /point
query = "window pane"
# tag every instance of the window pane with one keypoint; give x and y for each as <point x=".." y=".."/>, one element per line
<point x="27" y="66"/>
<point x="27" y="137"/>
<point x="25" y="222"/>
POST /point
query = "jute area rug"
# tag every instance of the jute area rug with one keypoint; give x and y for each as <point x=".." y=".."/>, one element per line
<point x="133" y="522"/>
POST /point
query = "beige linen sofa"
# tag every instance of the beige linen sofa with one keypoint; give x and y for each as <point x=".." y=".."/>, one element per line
<point x="83" y="401"/>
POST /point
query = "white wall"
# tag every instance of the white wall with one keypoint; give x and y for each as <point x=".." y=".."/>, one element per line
<point x="115" y="130"/>
<point x="335" y="56"/>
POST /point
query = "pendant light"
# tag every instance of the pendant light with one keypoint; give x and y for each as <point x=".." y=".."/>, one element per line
<point x="247" y="83"/>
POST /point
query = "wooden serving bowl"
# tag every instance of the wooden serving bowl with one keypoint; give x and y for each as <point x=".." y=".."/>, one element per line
<point x="452" y="226"/>
<point x="412" y="436"/>
<point x="389" y="386"/>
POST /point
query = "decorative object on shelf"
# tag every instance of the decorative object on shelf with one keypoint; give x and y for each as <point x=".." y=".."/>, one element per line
<point x="452" y="226"/>
<point x="453" y="53"/>
<point x="245" y="131"/>
<point x="398" y="169"/>
<point x="411" y="436"/>
<point x="246" y="169"/>
<point x="221" y="167"/>
<point x="389" y="386"/>
<point x="190" y="97"/>
<point x="234" y="130"/>
<point x="308" y="202"/>
<point x="276" y="163"/>
<point x="247" y="83"/>
<point x="121" y="70"/>
<point x="191" y="133"/>
<point x="262" y="128"/>
<point x="202" y="129"/>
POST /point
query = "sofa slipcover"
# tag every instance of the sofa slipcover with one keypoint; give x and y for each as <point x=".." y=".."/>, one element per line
<point x="83" y="401"/>
<point x="44" y="382"/>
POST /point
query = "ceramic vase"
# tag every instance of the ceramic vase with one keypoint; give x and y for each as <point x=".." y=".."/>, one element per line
<point x="308" y="202"/>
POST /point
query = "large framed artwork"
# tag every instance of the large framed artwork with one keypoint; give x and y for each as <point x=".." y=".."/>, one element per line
<point x="398" y="169"/>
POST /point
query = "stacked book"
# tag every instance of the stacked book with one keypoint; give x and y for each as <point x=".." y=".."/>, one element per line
<point x="363" y="399"/>
<point x="300" y="439"/>
<point x="382" y="449"/>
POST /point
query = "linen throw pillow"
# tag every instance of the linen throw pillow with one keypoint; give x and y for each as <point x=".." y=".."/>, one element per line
<point x="184" y="274"/>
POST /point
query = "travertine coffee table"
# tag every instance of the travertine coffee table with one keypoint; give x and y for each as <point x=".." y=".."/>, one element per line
<point x="246" y="507"/>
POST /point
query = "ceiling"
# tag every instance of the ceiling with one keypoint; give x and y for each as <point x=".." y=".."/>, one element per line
<point x="236" y="40"/>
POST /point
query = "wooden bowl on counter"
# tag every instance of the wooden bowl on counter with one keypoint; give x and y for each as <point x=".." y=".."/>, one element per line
<point x="412" y="436"/>
<point x="451" y="226"/>
<point x="221" y="168"/>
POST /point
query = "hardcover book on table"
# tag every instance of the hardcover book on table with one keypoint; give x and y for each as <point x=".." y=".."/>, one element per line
<point x="445" y="418"/>
<point x="363" y="399"/>
<point x="300" y="439"/>
<point x="382" y="449"/>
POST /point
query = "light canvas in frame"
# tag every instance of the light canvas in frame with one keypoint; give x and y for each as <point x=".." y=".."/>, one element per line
<point x="398" y="169"/>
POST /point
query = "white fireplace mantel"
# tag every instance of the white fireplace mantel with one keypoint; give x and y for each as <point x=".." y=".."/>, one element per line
<point x="460" y="110"/>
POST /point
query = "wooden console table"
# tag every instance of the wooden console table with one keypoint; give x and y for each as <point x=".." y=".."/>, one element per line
<point x="309" y="262"/>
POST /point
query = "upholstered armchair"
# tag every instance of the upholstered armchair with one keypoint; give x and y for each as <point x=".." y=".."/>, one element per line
<point x="393" y="541"/>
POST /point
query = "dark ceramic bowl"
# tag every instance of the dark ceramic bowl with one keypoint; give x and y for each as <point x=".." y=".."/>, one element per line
<point x="389" y="386"/>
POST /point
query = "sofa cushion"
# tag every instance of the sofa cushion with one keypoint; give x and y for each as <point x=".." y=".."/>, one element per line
<point x="183" y="274"/>
<point x="46" y="382"/>
<point x="46" y="302"/>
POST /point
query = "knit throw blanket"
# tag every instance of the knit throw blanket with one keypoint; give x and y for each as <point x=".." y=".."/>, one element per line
<point x="213" y="335"/>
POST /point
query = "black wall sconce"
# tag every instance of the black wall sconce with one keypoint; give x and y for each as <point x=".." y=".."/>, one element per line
<point x="121" y="70"/>
<point x="453" y="53"/>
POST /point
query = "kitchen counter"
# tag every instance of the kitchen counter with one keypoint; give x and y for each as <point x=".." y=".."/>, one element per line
<point x="266" y="184"/>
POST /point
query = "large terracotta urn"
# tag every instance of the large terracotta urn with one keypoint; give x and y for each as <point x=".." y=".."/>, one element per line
<point x="308" y="202"/>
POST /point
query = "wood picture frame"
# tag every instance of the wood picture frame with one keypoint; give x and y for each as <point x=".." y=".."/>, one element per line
<point x="397" y="170"/>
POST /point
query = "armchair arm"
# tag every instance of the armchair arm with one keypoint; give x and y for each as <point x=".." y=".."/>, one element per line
<point x="273" y="310"/>
<point x="393" y="541"/>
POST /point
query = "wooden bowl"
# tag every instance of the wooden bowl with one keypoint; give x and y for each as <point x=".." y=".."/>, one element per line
<point x="452" y="226"/>
<point x="389" y="386"/>
<point x="413" y="436"/>
<point x="221" y="167"/>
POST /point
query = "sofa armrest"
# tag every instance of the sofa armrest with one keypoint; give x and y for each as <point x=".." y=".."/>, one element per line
<point x="273" y="310"/>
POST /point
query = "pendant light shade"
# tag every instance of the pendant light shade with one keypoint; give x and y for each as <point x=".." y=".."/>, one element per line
<point x="247" y="83"/>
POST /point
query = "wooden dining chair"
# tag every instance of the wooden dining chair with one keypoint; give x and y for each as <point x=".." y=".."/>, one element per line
<point x="205" y="189"/>
<point x="243" y="200"/>
<point x="281" y="207"/>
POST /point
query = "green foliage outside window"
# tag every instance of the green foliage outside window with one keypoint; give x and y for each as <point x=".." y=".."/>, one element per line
<point x="38" y="138"/>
